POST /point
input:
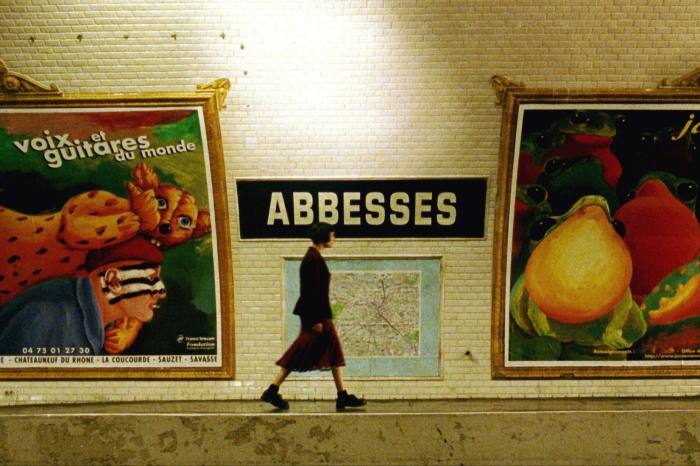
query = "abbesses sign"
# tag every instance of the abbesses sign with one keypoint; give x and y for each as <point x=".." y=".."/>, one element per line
<point x="370" y="208"/>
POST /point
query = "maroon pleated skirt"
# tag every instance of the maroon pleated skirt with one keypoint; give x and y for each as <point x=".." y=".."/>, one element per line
<point x="313" y="351"/>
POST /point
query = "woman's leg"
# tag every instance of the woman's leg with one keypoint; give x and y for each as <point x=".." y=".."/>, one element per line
<point x="344" y="399"/>
<point x="338" y="377"/>
<point x="272" y="394"/>
<point x="283" y="373"/>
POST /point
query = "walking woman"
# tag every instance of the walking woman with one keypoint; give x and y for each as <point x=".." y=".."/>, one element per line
<point x="317" y="347"/>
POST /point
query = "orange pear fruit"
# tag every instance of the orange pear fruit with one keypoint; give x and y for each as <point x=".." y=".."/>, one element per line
<point x="581" y="270"/>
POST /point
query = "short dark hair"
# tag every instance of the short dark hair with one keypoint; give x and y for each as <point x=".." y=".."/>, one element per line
<point x="320" y="232"/>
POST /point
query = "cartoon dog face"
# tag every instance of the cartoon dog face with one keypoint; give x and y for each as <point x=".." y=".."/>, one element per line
<point x="179" y="218"/>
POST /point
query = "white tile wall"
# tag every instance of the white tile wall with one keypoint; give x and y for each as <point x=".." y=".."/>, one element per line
<point x="351" y="88"/>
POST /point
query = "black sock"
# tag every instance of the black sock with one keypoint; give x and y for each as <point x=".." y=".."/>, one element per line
<point x="343" y="393"/>
<point x="273" y="388"/>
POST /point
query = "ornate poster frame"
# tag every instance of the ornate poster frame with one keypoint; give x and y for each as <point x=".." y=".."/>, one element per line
<point x="545" y="353"/>
<point x="198" y="177"/>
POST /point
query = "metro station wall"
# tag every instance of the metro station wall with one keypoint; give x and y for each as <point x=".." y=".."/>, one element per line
<point x="351" y="89"/>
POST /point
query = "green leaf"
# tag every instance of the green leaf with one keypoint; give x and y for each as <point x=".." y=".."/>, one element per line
<point x="519" y="306"/>
<point x="626" y="326"/>
<point x="543" y="349"/>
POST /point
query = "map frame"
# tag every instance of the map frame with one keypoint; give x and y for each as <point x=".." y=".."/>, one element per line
<point x="427" y="364"/>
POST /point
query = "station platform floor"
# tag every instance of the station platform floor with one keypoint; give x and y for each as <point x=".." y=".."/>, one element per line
<point x="595" y="431"/>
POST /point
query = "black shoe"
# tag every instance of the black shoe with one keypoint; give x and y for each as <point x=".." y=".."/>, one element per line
<point x="348" y="401"/>
<point x="272" y="396"/>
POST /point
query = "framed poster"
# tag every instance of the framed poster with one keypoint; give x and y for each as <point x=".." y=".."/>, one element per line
<point x="115" y="259"/>
<point x="596" y="267"/>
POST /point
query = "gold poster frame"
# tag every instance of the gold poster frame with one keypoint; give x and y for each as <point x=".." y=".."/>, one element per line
<point x="682" y="93"/>
<point x="21" y="93"/>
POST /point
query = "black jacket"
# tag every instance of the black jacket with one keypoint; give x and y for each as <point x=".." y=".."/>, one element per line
<point x="313" y="305"/>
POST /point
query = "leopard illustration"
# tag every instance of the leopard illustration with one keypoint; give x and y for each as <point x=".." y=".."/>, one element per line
<point x="35" y="248"/>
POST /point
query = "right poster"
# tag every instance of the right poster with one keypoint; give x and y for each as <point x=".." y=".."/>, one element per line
<point x="597" y="271"/>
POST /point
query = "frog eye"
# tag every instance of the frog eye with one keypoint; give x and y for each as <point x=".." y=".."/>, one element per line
<point x="619" y="228"/>
<point x="687" y="191"/>
<point x="579" y="117"/>
<point x="621" y="122"/>
<point x="544" y="140"/>
<point x="666" y="135"/>
<point x="553" y="166"/>
<point x="540" y="228"/>
<point x="184" y="222"/>
<point x="646" y="139"/>
<point x="162" y="203"/>
<point x="537" y="193"/>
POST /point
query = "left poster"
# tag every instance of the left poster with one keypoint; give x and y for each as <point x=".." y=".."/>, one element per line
<point x="114" y="247"/>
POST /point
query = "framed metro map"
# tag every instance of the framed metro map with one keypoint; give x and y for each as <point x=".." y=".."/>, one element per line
<point x="386" y="311"/>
